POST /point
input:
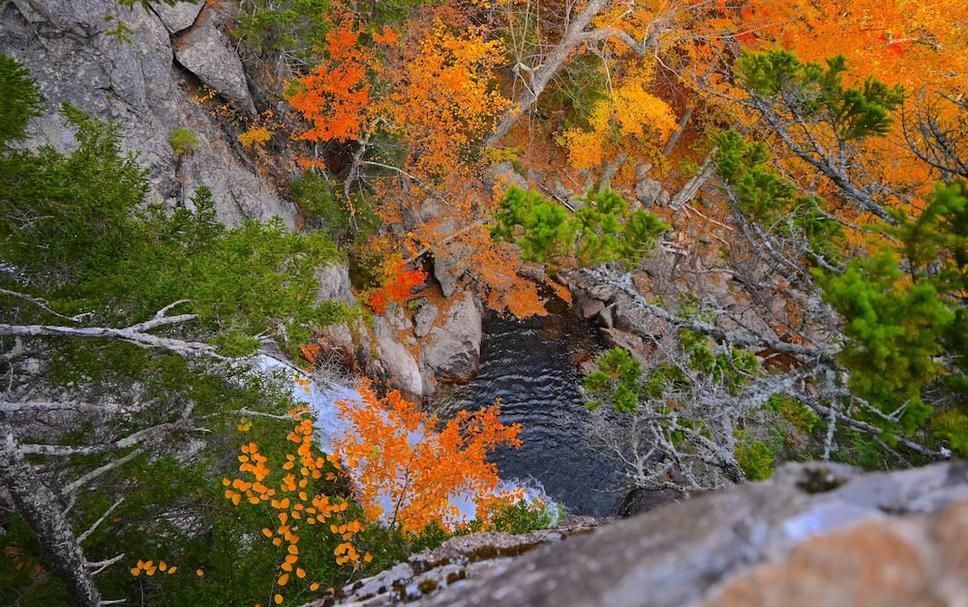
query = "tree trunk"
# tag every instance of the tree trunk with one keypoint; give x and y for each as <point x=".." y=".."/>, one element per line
<point x="551" y="64"/>
<point x="60" y="549"/>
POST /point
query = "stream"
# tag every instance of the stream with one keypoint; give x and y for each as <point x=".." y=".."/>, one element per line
<point x="531" y="366"/>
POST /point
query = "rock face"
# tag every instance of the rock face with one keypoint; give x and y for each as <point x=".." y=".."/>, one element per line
<point x="205" y="51"/>
<point x="815" y="535"/>
<point x="917" y="562"/>
<point x="454" y="350"/>
<point x="71" y="51"/>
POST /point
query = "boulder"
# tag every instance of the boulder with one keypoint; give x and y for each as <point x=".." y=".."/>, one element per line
<point x="921" y="561"/>
<point x="459" y="558"/>
<point x="641" y="500"/>
<point x="589" y="307"/>
<point x="647" y="191"/>
<point x="206" y="52"/>
<point x="454" y="350"/>
<point x="815" y="535"/>
<point x="635" y="345"/>
<point x="503" y="176"/>
<point x="425" y="318"/>
<point x="179" y="16"/>
<point x="447" y="271"/>
<point x="393" y="362"/>
<point x="397" y="317"/>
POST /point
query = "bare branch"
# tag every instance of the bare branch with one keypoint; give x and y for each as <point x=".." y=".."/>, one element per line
<point x="19" y="407"/>
<point x="134" y="334"/>
<point x="100" y="470"/>
<point x="41" y="303"/>
<point x="123" y="443"/>
<point x="550" y="65"/>
<point x="87" y="533"/>
<point x="100" y="566"/>
<point x="737" y="338"/>
<point x="692" y="187"/>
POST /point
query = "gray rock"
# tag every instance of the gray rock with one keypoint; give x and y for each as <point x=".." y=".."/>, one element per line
<point x="334" y="284"/>
<point x="687" y="553"/>
<point x="391" y="580"/>
<point x="919" y="561"/>
<point x="178" y="16"/>
<point x="448" y="272"/>
<point x="425" y="318"/>
<point x="589" y="307"/>
<point x="206" y="52"/>
<point x="635" y="345"/>
<point x="394" y="363"/>
<point x="425" y="212"/>
<point x="459" y="558"/>
<point x="454" y="350"/>
<point x="607" y="316"/>
<point x="647" y="191"/>
<point x="397" y="318"/>
<point x="67" y="48"/>
<point x="502" y="176"/>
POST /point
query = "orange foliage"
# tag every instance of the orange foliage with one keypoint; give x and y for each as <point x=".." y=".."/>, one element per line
<point x="401" y="463"/>
<point x="443" y="97"/>
<point x="291" y="492"/>
<point x="311" y="351"/>
<point x="498" y="265"/>
<point x="915" y="44"/>
<point x="334" y="97"/>
<point x="398" y="282"/>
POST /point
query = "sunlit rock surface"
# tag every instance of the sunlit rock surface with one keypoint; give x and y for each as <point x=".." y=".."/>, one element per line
<point x="815" y="535"/>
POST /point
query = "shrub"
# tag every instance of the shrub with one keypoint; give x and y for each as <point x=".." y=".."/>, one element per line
<point x="183" y="141"/>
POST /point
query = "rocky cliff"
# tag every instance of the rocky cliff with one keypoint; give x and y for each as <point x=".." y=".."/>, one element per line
<point x="815" y="535"/>
<point x="137" y="67"/>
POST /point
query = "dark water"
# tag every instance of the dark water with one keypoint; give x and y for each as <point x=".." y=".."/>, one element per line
<point x="531" y="366"/>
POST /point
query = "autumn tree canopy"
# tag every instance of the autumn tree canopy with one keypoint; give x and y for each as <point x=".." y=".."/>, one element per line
<point x="762" y="204"/>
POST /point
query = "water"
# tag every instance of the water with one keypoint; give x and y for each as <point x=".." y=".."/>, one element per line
<point x="531" y="366"/>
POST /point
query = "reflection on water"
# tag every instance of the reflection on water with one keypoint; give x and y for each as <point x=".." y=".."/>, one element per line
<point x="531" y="367"/>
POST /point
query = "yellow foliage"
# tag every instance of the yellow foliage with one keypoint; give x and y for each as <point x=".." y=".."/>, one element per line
<point x="256" y="136"/>
<point x="631" y="120"/>
<point x="444" y="97"/>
